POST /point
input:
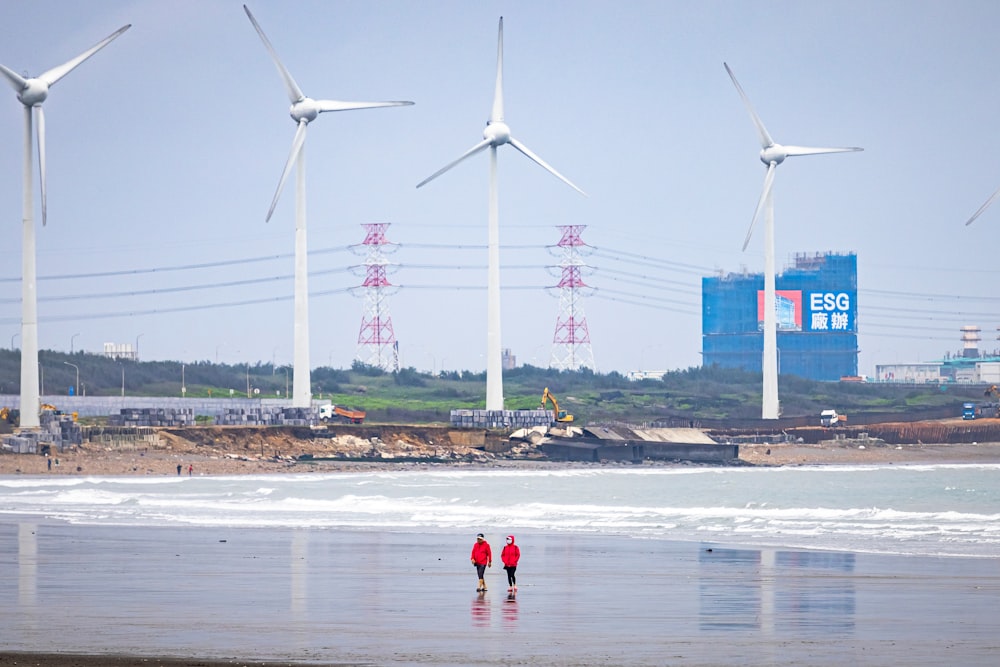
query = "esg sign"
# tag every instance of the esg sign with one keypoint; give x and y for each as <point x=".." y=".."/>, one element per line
<point x="829" y="311"/>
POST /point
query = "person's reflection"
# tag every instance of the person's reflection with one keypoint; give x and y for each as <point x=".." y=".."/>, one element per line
<point x="480" y="611"/>
<point x="510" y="610"/>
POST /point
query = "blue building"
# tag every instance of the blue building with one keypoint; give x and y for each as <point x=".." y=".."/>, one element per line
<point x="816" y="312"/>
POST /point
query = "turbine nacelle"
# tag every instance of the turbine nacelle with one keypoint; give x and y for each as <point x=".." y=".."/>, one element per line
<point x="35" y="92"/>
<point x="497" y="133"/>
<point x="775" y="153"/>
<point x="306" y="109"/>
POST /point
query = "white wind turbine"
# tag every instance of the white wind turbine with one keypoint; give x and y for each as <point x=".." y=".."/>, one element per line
<point x="303" y="111"/>
<point x="32" y="92"/>
<point x="771" y="154"/>
<point x="497" y="133"/>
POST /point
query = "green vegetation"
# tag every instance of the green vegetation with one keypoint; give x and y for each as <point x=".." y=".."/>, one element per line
<point x="409" y="396"/>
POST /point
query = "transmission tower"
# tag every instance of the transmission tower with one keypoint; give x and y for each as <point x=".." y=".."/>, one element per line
<point x="571" y="349"/>
<point x="376" y="340"/>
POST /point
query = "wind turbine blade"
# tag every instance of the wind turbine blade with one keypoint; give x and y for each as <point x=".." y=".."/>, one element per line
<point x="56" y="73"/>
<point x="334" y="105"/>
<point x="540" y="162"/>
<point x="983" y="207"/>
<point x="472" y="151"/>
<point x="294" y="92"/>
<point x="765" y="138"/>
<point x="809" y="150"/>
<point x="40" y="125"/>
<point x="496" y="114"/>
<point x="300" y="138"/>
<point x="17" y="82"/>
<point x="768" y="182"/>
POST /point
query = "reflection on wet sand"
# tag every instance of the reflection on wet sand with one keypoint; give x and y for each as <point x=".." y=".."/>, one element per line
<point x="769" y="590"/>
<point x="27" y="565"/>
<point x="480" y="611"/>
<point x="510" y="610"/>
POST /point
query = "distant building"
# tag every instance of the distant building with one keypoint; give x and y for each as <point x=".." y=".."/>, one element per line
<point x="121" y="351"/>
<point x="968" y="366"/>
<point x="508" y="359"/>
<point x="911" y="373"/>
<point x="816" y="313"/>
<point x="645" y="375"/>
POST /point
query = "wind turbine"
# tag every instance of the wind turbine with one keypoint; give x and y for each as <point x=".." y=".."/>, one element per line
<point x="32" y="92"/>
<point x="303" y="111"/>
<point x="771" y="154"/>
<point x="496" y="134"/>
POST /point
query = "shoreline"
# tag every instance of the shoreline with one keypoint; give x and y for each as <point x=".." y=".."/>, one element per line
<point x="94" y="461"/>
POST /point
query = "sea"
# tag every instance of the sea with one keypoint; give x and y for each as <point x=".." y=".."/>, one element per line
<point x="930" y="510"/>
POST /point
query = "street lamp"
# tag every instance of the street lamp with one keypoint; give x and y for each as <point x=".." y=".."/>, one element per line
<point x="76" y="387"/>
<point x="71" y="339"/>
<point x="137" y="345"/>
<point x="183" y="385"/>
<point x="123" y="380"/>
<point x="12" y="341"/>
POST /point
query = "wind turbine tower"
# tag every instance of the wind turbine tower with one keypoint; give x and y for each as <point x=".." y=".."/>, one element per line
<point x="496" y="134"/>
<point x="376" y="339"/>
<point x="32" y="92"/>
<point x="303" y="111"/>
<point x="771" y="154"/>
<point x="571" y="348"/>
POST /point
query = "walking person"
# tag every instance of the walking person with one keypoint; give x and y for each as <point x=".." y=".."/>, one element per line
<point x="509" y="556"/>
<point x="482" y="558"/>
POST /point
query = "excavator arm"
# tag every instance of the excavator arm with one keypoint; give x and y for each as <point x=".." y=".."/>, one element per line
<point x="561" y="415"/>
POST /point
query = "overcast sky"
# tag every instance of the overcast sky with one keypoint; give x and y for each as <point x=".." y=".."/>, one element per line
<point x="165" y="148"/>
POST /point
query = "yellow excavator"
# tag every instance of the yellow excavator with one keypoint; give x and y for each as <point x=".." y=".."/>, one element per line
<point x="9" y="416"/>
<point x="561" y="415"/>
<point x="990" y="409"/>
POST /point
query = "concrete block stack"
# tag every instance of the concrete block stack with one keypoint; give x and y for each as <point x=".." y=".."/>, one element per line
<point x="172" y="417"/>
<point x="501" y="419"/>
<point x="58" y="432"/>
<point x="267" y="416"/>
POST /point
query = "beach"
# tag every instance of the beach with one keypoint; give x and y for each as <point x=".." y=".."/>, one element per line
<point x="219" y="596"/>
<point x="252" y="591"/>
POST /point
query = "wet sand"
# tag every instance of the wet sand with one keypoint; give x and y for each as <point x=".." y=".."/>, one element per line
<point x="223" y="596"/>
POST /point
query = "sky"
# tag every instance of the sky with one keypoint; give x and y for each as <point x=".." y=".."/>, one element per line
<point x="165" y="148"/>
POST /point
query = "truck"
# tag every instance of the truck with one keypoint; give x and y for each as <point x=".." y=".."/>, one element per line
<point x="980" y="410"/>
<point x="830" y="419"/>
<point x="338" y="413"/>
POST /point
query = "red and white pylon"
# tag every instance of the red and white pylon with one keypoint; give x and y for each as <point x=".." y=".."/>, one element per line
<point x="376" y="339"/>
<point x="571" y="348"/>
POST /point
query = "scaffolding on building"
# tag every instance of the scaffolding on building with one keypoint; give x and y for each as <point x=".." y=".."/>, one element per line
<point x="816" y="311"/>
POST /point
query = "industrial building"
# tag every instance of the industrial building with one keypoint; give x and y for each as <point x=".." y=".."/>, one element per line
<point x="969" y="366"/>
<point x="816" y="308"/>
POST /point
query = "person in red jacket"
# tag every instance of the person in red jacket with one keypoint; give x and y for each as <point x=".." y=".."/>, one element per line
<point x="509" y="556"/>
<point x="482" y="558"/>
